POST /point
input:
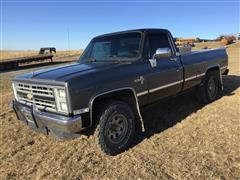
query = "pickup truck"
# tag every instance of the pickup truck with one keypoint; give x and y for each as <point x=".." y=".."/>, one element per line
<point x="117" y="74"/>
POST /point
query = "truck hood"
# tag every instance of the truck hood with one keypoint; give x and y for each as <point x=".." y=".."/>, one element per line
<point x="63" y="73"/>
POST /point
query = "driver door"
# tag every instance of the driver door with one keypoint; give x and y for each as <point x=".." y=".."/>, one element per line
<point x="165" y="79"/>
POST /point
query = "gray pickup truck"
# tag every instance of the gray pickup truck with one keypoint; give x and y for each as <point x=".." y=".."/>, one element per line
<point x="116" y="75"/>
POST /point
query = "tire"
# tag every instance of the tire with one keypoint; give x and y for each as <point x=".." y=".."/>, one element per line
<point x="211" y="88"/>
<point x="116" y="127"/>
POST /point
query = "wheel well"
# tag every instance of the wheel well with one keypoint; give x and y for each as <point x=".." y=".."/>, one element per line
<point x="216" y="68"/>
<point x="126" y="96"/>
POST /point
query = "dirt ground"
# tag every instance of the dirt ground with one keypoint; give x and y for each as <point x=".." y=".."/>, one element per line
<point x="184" y="140"/>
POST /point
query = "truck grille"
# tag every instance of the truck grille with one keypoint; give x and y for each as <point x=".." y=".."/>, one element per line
<point x="39" y="95"/>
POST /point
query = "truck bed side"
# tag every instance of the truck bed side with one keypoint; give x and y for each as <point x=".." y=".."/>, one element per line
<point x="197" y="63"/>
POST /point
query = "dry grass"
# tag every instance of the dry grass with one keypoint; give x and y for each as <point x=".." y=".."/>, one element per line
<point x="184" y="140"/>
<point x="69" y="53"/>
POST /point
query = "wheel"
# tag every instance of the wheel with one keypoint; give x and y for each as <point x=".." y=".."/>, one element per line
<point x="116" y="127"/>
<point x="211" y="89"/>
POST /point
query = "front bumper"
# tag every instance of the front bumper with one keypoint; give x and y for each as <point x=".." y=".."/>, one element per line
<point x="45" y="121"/>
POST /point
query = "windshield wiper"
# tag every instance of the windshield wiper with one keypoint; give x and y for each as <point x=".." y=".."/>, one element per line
<point x="92" y="59"/>
<point x="114" y="57"/>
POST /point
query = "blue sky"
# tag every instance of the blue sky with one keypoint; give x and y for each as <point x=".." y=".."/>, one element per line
<point x="29" y="25"/>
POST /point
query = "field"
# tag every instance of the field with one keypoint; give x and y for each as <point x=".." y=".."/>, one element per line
<point x="184" y="140"/>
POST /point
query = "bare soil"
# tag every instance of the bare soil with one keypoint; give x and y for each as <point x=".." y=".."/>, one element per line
<point x="184" y="140"/>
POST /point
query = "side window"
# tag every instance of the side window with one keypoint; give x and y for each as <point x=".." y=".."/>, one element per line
<point x="158" y="40"/>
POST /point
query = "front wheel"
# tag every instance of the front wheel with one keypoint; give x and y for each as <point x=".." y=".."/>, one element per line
<point x="116" y="127"/>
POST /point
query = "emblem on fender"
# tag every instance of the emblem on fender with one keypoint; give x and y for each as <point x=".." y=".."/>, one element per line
<point x="141" y="80"/>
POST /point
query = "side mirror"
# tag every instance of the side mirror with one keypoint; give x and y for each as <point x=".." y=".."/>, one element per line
<point x="162" y="53"/>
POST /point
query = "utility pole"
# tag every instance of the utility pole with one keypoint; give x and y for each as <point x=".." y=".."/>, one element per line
<point x="68" y="41"/>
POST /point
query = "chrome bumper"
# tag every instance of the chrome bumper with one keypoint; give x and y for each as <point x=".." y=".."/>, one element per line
<point x="44" y="120"/>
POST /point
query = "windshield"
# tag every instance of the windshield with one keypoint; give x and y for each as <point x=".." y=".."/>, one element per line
<point x="116" y="47"/>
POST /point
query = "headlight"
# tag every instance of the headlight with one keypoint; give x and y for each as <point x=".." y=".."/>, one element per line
<point x="61" y="101"/>
<point x="62" y="93"/>
<point x="14" y="91"/>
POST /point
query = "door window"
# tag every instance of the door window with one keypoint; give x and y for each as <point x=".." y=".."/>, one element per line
<point x="158" y="40"/>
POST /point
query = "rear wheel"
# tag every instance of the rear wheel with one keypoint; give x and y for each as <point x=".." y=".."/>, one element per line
<point x="116" y="127"/>
<point x="211" y="89"/>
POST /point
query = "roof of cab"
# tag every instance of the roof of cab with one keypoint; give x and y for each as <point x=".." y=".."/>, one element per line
<point x="130" y="31"/>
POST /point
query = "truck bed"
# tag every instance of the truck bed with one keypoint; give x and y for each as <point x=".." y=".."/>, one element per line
<point x="196" y="64"/>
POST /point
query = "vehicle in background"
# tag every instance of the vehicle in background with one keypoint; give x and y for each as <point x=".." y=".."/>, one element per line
<point x="44" y="54"/>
